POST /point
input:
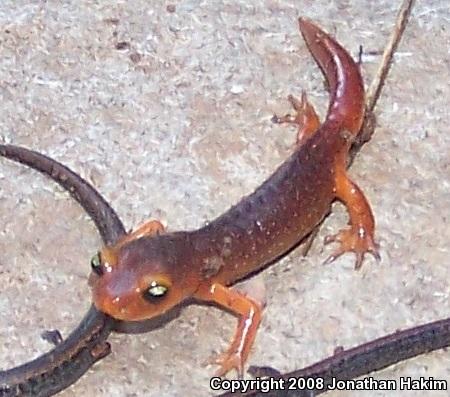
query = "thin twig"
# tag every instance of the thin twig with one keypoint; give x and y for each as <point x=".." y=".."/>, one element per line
<point x="376" y="86"/>
<point x="374" y="91"/>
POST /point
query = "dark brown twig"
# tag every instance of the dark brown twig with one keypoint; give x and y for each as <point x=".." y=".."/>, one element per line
<point x="67" y="362"/>
<point x="366" y="358"/>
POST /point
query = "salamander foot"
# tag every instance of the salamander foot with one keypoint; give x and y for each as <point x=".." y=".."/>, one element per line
<point x="355" y="240"/>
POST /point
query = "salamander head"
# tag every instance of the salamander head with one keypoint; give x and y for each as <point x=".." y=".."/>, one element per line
<point x="135" y="281"/>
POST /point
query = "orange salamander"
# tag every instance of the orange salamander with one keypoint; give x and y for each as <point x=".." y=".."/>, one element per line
<point x="149" y="271"/>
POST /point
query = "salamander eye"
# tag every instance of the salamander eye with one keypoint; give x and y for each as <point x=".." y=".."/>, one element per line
<point x="155" y="291"/>
<point x="96" y="264"/>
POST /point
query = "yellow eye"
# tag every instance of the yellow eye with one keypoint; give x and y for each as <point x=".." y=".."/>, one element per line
<point x="155" y="291"/>
<point x="96" y="264"/>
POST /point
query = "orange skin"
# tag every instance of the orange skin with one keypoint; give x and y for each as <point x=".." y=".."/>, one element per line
<point x="149" y="271"/>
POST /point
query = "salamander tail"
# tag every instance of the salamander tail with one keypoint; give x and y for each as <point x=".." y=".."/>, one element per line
<point x="343" y="76"/>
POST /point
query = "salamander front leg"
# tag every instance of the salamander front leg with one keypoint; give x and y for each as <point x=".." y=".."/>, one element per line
<point x="149" y="228"/>
<point x="359" y="238"/>
<point x="250" y="317"/>
<point x="305" y="117"/>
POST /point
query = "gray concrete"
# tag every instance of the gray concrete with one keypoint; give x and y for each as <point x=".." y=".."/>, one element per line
<point x="177" y="126"/>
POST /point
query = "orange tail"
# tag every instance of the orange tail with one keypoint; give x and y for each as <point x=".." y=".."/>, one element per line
<point x="343" y="76"/>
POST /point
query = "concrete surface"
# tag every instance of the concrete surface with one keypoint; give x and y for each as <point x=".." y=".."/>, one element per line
<point x="176" y="125"/>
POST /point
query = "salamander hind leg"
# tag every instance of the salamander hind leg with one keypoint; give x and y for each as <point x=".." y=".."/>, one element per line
<point x="305" y="118"/>
<point x="250" y="317"/>
<point x="359" y="237"/>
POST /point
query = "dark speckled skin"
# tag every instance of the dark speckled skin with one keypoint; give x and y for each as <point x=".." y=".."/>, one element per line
<point x="281" y="212"/>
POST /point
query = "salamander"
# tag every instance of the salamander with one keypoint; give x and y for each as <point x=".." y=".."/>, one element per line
<point x="149" y="271"/>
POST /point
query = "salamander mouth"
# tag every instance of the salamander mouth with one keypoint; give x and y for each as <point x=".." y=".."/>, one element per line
<point x="111" y="307"/>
